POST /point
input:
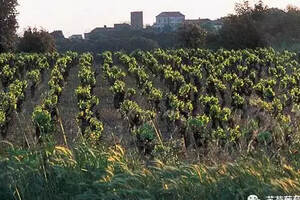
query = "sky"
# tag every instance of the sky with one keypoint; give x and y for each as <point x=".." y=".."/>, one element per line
<point x="81" y="16"/>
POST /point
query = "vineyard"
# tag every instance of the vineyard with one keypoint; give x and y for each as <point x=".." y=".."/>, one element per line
<point x="193" y="104"/>
<point x="232" y="99"/>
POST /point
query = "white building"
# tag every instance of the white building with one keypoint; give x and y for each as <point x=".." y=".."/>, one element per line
<point x="169" y="19"/>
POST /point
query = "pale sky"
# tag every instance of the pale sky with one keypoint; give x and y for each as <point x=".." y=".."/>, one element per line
<point x="80" y="16"/>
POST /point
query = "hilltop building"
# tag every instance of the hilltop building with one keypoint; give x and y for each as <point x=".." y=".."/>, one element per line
<point x="122" y="26"/>
<point x="76" y="37"/>
<point x="58" y="35"/>
<point x="97" y="31"/>
<point x="197" y="21"/>
<point x="137" y="20"/>
<point x="171" y="20"/>
<point x="165" y="21"/>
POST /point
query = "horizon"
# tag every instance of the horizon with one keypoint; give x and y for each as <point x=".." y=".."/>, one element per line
<point x="82" y="17"/>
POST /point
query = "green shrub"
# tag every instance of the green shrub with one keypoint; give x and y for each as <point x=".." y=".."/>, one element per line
<point x="42" y="120"/>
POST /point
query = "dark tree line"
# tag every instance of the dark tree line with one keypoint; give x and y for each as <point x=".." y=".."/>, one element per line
<point x="36" y="41"/>
<point x="122" y="39"/>
<point x="8" y="25"/>
<point x="250" y="27"/>
<point x="260" y="26"/>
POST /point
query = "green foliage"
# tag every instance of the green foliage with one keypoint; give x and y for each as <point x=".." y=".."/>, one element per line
<point x="89" y="173"/>
<point x="44" y="115"/>
<point x="36" y="41"/>
<point x="8" y="25"/>
<point x="155" y="95"/>
<point x="264" y="137"/>
<point x="224" y="104"/>
<point x="238" y="100"/>
<point x="130" y="92"/>
<point x="16" y="93"/>
<point x="131" y="110"/>
<point x="83" y="92"/>
<point x="146" y="132"/>
<point x="86" y="76"/>
<point x="42" y="119"/>
<point x="7" y="75"/>
<point x="2" y="118"/>
<point x="34" y="76"/>
<point x="222" y="99"/>
<point x="186" y="90"/>
<point x="218" y="85"/>
<point x="114" y="73"/>
<point x="91" y="127"/>
<point x="197" y="123"/>
<point x="192" y="35"/>
<point x="95" y="130"/>
<point x="118" y="87"/>
<point x="50" y="101"/>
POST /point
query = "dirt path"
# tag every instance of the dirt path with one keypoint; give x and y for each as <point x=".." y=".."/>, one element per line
<point x="68" y="110"/>
<point x="115" y="130"/>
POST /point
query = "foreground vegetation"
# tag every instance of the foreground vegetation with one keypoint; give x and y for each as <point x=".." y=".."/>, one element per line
<point x="56" y="172"/>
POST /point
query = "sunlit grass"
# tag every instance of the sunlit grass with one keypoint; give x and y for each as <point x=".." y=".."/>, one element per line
<point x="85" y="172"/>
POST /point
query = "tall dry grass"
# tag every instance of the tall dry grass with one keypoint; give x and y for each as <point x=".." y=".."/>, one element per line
<point x="85" y="172"/>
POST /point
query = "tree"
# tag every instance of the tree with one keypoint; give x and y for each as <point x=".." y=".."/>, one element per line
<point x="8" y="24"/>
<point x="191" y="35"/>
<point x="142" y="43"/>
<point x="245" y="28"/>
<point x="292" y="23"/>
<point x="36" y="41"/>
<point x="291" y="8"/>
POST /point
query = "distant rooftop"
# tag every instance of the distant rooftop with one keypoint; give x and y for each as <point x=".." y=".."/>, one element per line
<point x="170" y="14"/>
<point x="105" y="28"/>
<point x="199" y="21"/>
